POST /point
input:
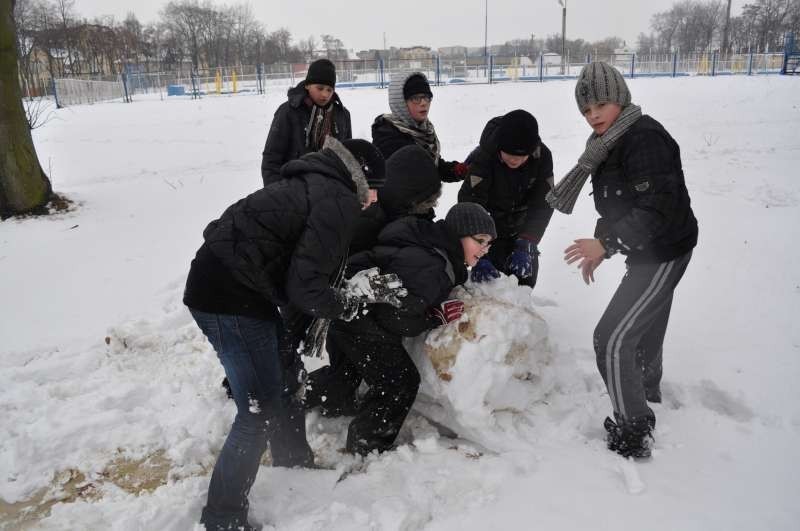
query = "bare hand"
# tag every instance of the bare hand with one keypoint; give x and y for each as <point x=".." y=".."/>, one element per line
<point x="587" y="269"/>
<point x="590" y="252"/>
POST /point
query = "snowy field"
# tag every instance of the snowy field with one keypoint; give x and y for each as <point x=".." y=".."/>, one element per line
<point x="111" y="413"/>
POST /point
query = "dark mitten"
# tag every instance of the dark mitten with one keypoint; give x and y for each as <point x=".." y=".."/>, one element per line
<point x="520" y="263"/>
<point x="484" y="271"/>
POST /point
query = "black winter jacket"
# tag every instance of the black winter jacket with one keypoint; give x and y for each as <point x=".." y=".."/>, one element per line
<point x="287" y="134"/>
<point x="640" y="193"/>
<point x="282" y="244"/>
<point x="514" y="197"/>
<point x="429" y="260"/>
<point x="388" y="139"/>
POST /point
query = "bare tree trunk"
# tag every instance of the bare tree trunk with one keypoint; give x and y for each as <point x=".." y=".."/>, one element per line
<point x="23" y="184"/>
<point x="727" y="29"/>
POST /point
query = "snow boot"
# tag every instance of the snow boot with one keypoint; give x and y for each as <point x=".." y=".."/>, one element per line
<point x="630" y="439"/>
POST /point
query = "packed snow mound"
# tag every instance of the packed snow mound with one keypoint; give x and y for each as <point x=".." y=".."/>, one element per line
<point x="483" y="371"/>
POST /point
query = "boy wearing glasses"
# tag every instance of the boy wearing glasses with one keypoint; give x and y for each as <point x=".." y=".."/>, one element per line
<point x="410" y="99"/>
<point x="312" y="112"/>
<point x="510" y="173"/>
<point x="430" y="258"/>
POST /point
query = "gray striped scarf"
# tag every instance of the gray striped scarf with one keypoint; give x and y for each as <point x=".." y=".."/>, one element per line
<point x="565" y="193"/>
<point x="424" y="134"/>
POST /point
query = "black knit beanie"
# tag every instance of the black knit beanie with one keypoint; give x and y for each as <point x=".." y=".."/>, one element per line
<point x="468" y="219"/>
<point x="321" y="72"/>
<point x="370" y="160"/>
<point x="416" y="84"/>
<point x="600" y="82"/>
<point x="518" y="133"/>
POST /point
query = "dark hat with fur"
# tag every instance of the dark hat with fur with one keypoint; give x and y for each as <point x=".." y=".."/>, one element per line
<point x="321" y="72"/>
<point x="412" y="182"/>
<point x="518" y="133"/>
<point x="468" y="219"/>
<point x="370" y="160"/>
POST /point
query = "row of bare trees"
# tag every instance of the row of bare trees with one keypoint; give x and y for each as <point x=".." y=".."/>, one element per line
<point x="694" y="26"/>
<point x="54" y="40"/>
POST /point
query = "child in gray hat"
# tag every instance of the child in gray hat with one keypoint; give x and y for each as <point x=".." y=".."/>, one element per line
<point x="645" y="214"/>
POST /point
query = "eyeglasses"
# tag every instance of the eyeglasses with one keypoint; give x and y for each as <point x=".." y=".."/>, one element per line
<point x="419" y="98"/>
<point x="485" y="244"/>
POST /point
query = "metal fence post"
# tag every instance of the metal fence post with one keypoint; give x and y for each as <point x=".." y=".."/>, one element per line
<point x="750" y="64"/>
<point x="633" y="64"/>
<point x="125" y="87"/>
<point x="674" y="64"/>
<point x="380" y="72"/>
<point x="438" y="70"/>
<point x="491" y="68"/>
<point x="55" y="92"/>
<point x="714" y="63"/>
<point x="541" y="67"/>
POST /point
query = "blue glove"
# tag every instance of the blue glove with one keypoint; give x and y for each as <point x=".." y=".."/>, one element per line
<point x="520" y="263"/>
<point x="484" y="271"/>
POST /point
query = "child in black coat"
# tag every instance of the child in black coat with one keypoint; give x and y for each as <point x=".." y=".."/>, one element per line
<point x="645" y="214"/>
<point x="510" y="173"/>
<point x="312" y="112"/>
<point x="430" y="258"/>
<point x="410" y="99"/>
<point x="263" y="253"/>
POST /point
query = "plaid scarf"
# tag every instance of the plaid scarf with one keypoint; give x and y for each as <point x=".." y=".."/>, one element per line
<point x="565" y="193"/>
<point x="424" y="134"/>
<point x="319" y="126"/>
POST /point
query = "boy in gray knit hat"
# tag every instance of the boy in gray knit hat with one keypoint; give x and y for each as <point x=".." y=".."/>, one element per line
<point x="645" y="214"/>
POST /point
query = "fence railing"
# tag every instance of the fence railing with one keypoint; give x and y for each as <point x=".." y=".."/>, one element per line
<point x="258" y="79"/>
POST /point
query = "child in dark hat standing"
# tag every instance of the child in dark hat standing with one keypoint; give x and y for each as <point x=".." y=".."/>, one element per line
<point x="645" y="214"/>
<point x="261" y="254"/>
<point x="410" y="100"/>
<point x="312" y="112"/>
<point x="430" y="258"/>
<point x="510" y="173"/>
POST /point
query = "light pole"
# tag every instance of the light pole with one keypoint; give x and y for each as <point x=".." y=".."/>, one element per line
<point x="563" y="4"/>
<point x="486" y="29"/>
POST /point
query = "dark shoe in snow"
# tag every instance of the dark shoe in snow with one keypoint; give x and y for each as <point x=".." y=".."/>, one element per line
<point x="631" y="439"/>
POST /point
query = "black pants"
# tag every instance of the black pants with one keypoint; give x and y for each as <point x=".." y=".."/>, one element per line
<point x="501" y="251"/>
<point x="393" y="382"/>
<point x="629" y="338"/>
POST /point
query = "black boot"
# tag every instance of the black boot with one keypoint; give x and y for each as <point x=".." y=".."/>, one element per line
<point x="630" y="439"/>
<point x="287" y="440"/>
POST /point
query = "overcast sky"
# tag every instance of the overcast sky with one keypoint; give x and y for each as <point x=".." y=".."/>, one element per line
<point x="361" y="24"/>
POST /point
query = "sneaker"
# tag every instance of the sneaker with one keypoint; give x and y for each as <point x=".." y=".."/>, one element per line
<point x="633" y="439"/>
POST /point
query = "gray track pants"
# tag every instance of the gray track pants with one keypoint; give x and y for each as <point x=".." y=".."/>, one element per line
<point x="628" y="339"/>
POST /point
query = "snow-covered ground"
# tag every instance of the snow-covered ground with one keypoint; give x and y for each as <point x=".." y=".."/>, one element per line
<point x="103" y="375"/>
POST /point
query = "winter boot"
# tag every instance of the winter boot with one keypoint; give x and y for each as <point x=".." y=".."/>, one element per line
<point x="630" y="439"/>
<point x="287" y="440"/>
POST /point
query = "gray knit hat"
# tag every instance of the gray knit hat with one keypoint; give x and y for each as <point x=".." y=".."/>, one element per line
<point x="600" y="82"/>
<point x="467" y="219"/>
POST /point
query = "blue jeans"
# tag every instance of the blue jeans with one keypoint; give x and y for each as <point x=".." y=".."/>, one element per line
<point x="249" y="351"/>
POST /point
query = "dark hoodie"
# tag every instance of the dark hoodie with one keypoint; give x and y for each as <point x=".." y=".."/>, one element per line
<point x="428" y="258"/>
<point x="514" y="197"/>
<point x="411" y="181"/>
<point x="281" y="244"/>
<point x="287" y="135"/>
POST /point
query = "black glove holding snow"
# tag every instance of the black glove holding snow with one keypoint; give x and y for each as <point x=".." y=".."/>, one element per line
<point x="370" y="287"/>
